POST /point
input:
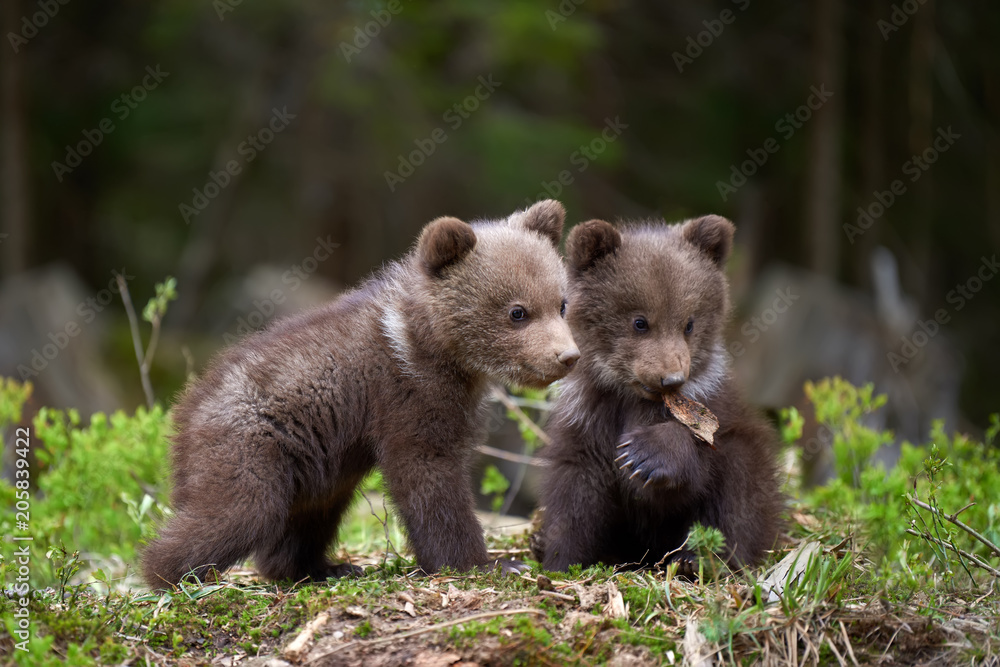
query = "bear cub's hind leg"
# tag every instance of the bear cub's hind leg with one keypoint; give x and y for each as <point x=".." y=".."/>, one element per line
<point x="299" y="552"/>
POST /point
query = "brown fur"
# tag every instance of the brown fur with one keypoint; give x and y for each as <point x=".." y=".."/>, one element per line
<point x="667" y="276"/>
<point x="273" y="440"/>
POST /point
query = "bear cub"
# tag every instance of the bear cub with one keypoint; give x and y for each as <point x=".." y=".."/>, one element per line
<point x="626" y="480"/>
<point x="273" y="440"/>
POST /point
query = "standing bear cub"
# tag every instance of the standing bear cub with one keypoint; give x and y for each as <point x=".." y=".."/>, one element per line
<point x="272" y="442"/>
<point x="626" y="480"/>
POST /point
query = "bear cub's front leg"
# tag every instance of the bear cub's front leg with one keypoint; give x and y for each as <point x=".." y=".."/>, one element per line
<point x="663" y="457"/>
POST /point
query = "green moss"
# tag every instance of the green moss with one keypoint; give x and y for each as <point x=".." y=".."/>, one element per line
<point x="364" y="629"/>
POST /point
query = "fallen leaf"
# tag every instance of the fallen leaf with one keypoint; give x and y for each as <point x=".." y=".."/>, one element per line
<point x="807" y="521"/>
<point x="697" y="652"/>
<point x="694" y="415"/>
<point x="789" y="569"/>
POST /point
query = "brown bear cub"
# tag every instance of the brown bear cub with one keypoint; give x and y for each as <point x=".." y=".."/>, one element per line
<point x="626" y="480"/>
<point x="273" y="440"/>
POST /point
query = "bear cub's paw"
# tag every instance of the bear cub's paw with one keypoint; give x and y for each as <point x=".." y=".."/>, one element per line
<point x="340" y="570"/>
<point x="687" y="564"/>
<point x="651" y="456"/>
<point x="510" y="566"/>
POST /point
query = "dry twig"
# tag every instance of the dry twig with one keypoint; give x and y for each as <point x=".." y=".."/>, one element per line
<point x="389" y="548"/>
<point x="847" y="642"/>
<point x="296" y="649"/>
<point x="511" y="456"/>
<point x="502" y="396"/>
<point x="953" y="519"/>
<point x="978" y="562"/>
<point x="133" y="322"/>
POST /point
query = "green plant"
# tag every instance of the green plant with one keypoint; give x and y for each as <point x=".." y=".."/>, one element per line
<point x="153" y="313"/>
<point x="707" y="542"/>
<point x="13" y="396"/>
<point x="840" y="406"/>
<point x="495" y="485"/>
<point x="920" y="497"/>
<point x="94" y="484"/>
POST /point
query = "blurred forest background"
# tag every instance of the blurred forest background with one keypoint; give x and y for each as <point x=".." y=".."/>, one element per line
<point x="269" y="154"/>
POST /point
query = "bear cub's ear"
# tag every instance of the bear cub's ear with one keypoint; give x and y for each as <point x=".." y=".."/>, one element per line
<point x="589" y="242"/>
<point x="443" y="242"/>
<point x="547" y="218"/>
<point x="712" y="235"/>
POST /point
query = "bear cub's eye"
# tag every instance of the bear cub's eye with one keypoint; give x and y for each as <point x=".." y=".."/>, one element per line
<point x="518" y="314"/>
<point x="690" y="327"/>
<point x="562" y="309"/>
<point x="641" y="325"/>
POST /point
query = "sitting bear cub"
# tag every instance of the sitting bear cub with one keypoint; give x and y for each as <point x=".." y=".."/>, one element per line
<point x="626" y="480"/>
<point x="273" y="440"/>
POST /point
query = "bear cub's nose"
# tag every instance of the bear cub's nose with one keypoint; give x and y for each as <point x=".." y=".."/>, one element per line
<point x="569" y="357"/>
<point x="672" y="381"/>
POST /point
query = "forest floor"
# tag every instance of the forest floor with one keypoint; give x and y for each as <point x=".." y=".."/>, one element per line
<point x="812" y="603"/>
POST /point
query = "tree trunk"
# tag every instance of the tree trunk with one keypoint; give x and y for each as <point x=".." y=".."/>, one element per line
<point x="823" y="186"/>
<point x="14" y="192"/>
<point x="992" y="87"/>
<point x="872" y="149"/>
<point x="921" y="136"/>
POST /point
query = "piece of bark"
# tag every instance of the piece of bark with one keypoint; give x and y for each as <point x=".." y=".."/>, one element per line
<point x="694" y="415"/>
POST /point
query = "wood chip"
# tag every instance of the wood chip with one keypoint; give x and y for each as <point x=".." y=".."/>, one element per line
<point x="297" y="648"/>
<point x="615" y="608"/>
<point x="356" y="611"/>
<point x="694" y="415"/>
<point x="558" y="596"/>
